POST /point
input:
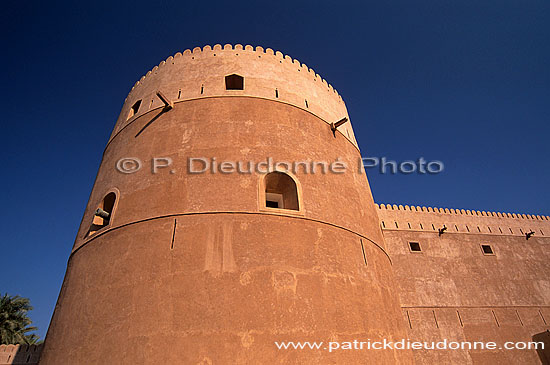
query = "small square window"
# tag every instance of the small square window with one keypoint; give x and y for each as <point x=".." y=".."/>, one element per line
<point x="234" y="82"/>
<point x="415" y="247"/>
<point x="487" y="250"/>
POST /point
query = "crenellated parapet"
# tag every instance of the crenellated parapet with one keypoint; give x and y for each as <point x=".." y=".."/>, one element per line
<point x="416" y="218"/>
<point x="268" y="74"/>
<point x="20" y="354"/>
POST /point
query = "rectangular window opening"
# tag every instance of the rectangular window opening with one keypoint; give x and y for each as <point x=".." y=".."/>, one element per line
<point x="134" y="109"/>
<point x="234" y="82"/>
<point x="415" y="247"/>
<point x="273" y="200"/>
<point x="487" y="250"/>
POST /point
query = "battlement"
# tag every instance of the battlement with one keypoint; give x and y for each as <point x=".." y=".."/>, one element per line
<point x="399" y="217"/>
<point x="238" y="47"/>
<point x="20" y="354"/>
<point x="268" y="74"/>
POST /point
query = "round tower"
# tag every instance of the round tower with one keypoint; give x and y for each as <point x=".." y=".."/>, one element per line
<point x="228" y="213"/>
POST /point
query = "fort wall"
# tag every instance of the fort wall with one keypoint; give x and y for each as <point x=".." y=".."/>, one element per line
<point x="452" y="289"/>
<point x="20" y="354"/>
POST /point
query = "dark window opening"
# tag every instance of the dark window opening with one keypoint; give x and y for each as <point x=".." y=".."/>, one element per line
<point x="271" y="203"/>
<point x="280" y="191"/>
<point x="414" y="247"/>
<point x="487" y="250"/>
<point x="202" y="89"/>
<point x="234" y="82"/>
<point x="103" y="214"/>
<point x="134" y="109"/>
<point x="276" y="93"/>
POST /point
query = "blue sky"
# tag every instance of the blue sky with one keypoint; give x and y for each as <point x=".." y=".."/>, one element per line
<point x="463" y="82"/>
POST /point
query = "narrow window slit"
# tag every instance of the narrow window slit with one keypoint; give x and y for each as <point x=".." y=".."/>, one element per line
<point x="495" y="316"/>
<point x="173" y="234"/>
<point x="541" y="316"/>
<point x="520" y="321"/>
<point x="364" y="255"/>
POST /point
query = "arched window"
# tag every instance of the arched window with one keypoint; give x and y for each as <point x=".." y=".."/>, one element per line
<point x="103" y="214"/>
<point x="280" y="191"/>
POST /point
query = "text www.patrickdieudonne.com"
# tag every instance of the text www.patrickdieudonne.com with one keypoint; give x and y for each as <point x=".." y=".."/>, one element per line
<point x="406" y="344"/>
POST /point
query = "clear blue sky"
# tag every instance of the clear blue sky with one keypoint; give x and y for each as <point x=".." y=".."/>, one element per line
<point x="464" y="82"/>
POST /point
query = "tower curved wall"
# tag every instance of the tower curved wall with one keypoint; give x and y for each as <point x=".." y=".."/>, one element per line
<point x="193" y="267"/>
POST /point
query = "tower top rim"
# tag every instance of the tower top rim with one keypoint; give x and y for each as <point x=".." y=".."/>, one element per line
<point x="207" y="49"/>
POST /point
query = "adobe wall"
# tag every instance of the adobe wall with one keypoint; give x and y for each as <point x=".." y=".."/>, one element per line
<point x="192" y="268"/>
<point x="451" y="290"/>
<point x="196" y="73"/>
<point x="20" y="354"/>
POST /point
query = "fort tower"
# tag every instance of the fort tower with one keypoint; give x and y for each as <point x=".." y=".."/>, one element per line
<point x="173" y="267"/>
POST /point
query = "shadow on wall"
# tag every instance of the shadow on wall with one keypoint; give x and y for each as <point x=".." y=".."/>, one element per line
<point x="20" y="354"/>
<point x="544" y="353"/>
